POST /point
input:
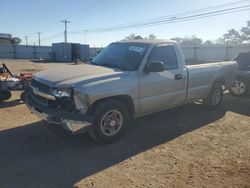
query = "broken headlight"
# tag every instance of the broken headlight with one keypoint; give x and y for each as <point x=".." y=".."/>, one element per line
<point x="61" y="92"/>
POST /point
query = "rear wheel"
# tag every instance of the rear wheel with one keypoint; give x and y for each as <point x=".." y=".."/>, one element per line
<point x="5" y="95"/>
<point x="215" y="97"/>
<point x="111" y="120"/>
<point x="239" y="88"/>
<point x="22" y="96"/>
<point x="2" y="97"/>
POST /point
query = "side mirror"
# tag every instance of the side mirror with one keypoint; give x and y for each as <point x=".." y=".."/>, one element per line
<point x="155" y="66"/>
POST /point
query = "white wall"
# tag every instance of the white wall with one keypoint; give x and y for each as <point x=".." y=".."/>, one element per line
<point x="203" y="52"/>
<point x="214" y="52"/>
<point x="25" y="52"/>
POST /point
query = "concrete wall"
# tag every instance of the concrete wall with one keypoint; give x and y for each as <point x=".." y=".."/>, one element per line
<point x="25" y="52"/>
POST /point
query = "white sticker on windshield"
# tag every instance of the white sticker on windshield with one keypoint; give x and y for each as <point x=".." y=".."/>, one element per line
<point x="136" y="49"/>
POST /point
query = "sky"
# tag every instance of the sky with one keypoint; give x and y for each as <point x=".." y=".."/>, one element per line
<point x="27" y="17"/>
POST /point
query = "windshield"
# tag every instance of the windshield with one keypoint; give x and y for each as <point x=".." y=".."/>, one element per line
<point x="124" y="56"/>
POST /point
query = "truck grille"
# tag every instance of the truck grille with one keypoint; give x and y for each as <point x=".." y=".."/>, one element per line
<point x="65" y="103"/>
<point x="40" y="100"/>
<point x="41" y="86"/>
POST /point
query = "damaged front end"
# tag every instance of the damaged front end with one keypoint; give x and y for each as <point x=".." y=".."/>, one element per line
<point x="60" y="106"/>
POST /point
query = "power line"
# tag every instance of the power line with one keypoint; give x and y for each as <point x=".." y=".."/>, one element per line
<point x="85" y="11"/>
<point x="198" y="10"/>
<point x="53" y="36"/>
<point x="55" y="24"/>
<point x="167" y="19"/>
<point x="98" y="3"/>
<point x="75" y="14"/>
<point x="185" y="13"/>
<point x="184" y="16"/>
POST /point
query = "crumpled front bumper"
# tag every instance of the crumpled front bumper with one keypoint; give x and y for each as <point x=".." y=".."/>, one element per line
<point x="72" y="122"/>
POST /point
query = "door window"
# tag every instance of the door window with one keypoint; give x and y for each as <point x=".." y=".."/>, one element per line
<point x="165" y="54"/>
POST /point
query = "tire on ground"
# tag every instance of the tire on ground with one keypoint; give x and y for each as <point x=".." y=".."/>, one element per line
<point x="2" y="97"/>
<point x="215" y="97"/>
<point x="104" y="107"/>
<point x="5" y="95"/>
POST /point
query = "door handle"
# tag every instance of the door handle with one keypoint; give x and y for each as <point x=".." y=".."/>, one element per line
<point x="178" y="76"/>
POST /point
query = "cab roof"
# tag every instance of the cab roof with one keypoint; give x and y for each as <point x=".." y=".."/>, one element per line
<point x="145" y="41"/>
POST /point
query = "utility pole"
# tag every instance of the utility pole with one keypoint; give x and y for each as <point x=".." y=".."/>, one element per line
<point x="65" y="29"/>
<point x="84" y="32"/>
<point x="26" y="39"/>
<point x="39" y="39"/>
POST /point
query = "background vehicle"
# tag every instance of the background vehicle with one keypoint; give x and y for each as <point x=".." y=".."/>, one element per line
<point x="9" y="82"/>
<point x="124" y="81"/>
<point x="241" y="86"/>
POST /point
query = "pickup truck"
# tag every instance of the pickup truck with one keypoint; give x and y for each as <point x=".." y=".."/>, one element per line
<point x="126" y="80"/>
<point x="241" y="86"/>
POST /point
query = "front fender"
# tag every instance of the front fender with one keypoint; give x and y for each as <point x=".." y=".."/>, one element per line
<point x="95" y="91"/>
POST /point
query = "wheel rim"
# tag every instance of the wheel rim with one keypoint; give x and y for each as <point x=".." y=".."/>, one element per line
<point x="239" y="87"/>
<point x="216" y="97"/>
<point x="111" y="122"/>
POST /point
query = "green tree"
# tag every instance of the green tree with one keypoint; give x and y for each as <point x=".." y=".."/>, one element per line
<point x="189" y="41"/>
<point x="220" y="41"/>
<point x="135" y="37"/>
<point x="151" y="37"/>
<point x="246" y="32"/>
<point x="16" y="40"/>
<point x="177" y="39"/>
<point x="232" y="37"/>
<point x="195" y="41"/>
<point x="208" y="42"/>
<point x="130" y="37"/>
<point x="138" y="37"/>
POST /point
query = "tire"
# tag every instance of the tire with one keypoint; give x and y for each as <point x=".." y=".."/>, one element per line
<point x="239" y="88"/>
<point x="22" y="96"/>
<point x="7" y="95"/>
<point x="215" y="97"/>
<point x="1" y="97"/>
<point x="111" y="121"/>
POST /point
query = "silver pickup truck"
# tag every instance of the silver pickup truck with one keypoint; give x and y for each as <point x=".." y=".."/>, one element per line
<point x="126" y="80"/>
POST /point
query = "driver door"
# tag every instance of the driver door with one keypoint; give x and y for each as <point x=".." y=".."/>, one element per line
<point x="160" y="90"/>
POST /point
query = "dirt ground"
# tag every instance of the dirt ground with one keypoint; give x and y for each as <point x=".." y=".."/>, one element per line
<point x="183" y="147"/>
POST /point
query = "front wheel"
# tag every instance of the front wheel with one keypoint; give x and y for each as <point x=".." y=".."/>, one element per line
<point x="215" y="97"/>
<point x="111" y="120"/>
<point x="5" y="95"/>
<point x="239" y="88"/>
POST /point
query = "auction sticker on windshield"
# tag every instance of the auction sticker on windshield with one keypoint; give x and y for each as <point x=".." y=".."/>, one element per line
<point x="136" y="49"/>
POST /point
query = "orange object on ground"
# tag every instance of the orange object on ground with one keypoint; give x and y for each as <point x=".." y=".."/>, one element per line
<point x="5" y="75"/>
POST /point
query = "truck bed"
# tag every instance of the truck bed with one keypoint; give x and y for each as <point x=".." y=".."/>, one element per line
<point x="202" y="77"/>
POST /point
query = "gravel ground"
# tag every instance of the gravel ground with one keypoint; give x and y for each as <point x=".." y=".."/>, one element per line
<point x="183" y="147"/>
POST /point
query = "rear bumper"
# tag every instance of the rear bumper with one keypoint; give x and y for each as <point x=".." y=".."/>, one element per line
<point x="72" y="122"/>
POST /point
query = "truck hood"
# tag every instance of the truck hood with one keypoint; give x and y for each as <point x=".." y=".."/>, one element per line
<point x="75" y="75"/>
